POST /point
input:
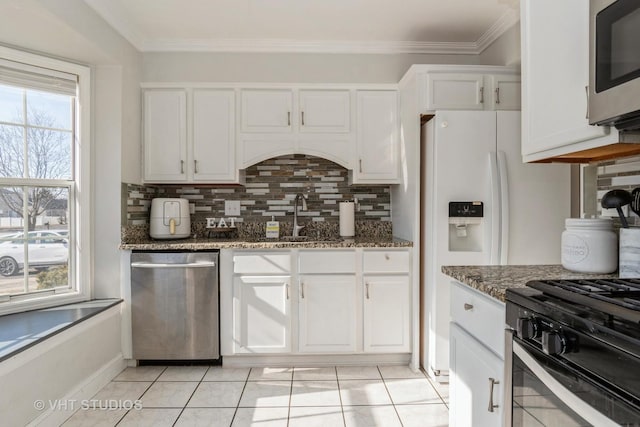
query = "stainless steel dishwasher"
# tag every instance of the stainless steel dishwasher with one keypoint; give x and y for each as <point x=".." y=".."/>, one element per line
<point x="174" y="305"/>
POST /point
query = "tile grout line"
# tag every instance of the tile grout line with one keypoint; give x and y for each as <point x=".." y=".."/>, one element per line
<point x="293" y="371"/>
<point x="384" y="381"/>
<point x="246" y="381"/>
<point x="146" y="390"/>
<point x="190" y="397"/>
<point x="344" y="418"/>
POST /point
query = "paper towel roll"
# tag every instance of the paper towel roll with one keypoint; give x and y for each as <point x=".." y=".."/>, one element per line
<point x="347" y="219"/>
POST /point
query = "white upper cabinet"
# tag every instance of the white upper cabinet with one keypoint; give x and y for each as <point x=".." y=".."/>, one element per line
<point x="377" y="144"/>
<point x="165" y="135"/>
<point x="324" y="111"/>
<point x="284" y="121"/>
<point x="267" y="110"/>
<point x="214" y="136"/>
<point x="555" y="76"/>
<point x="471" y="89"/>
<point x="189" y="135"/>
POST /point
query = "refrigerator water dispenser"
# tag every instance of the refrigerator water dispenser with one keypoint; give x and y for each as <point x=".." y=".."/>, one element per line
<point x="465" y="226"/>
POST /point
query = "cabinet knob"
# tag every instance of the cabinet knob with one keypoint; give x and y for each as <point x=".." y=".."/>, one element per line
<point x="468" y="307"/>
<point x="387" y="257"/>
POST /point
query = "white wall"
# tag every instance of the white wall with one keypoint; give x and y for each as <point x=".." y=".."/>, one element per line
<point x="286" y="67"/>
<point x="72" y="31"/>
<point x="71" y="365"/>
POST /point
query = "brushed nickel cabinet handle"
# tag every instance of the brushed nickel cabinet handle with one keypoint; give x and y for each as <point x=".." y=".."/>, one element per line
<point x="360" y="165"/>
<point x="492" y="382"/>
<point x="482" y="95"/>
<point x="195" y="166"/>
<point x="303" y="118"/>
<point x="288" y="118"/>
<point x="497" y="95"/>
<point x="366" y="287"/>
<point x="287" y="290"/>
<point x="181" y="166"/>
<point x="468" y="307"/>
<point x="302" y="290"/>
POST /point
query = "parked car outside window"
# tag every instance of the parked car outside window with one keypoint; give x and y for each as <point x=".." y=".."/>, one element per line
<point x="45" y="249"/>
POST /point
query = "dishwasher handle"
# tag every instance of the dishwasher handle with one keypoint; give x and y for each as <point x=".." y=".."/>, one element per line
<point x="169" y="265"/>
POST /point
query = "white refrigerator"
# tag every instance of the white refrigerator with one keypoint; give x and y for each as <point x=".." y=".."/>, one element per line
<point x="474" y="156"/>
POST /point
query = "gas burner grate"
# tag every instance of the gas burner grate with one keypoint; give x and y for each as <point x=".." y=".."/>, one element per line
<point x="614" y="297"/>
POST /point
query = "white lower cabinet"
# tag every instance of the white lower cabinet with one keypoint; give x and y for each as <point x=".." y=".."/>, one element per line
<point x="327" y="316"/>
<point x="476" y="382"/>
<point x="476" y="352"/>
<point x="262" y="314"/>
<point x="386" y="314"/>
<point x="319" y="301"/>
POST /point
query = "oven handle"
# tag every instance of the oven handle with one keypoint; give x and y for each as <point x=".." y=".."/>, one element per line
<point x="578" y="405"/>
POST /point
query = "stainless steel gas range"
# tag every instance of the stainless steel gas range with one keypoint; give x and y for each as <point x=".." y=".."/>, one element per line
<point x="573" y="353"/>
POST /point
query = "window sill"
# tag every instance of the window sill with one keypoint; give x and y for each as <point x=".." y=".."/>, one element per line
<point x="21" y="331"/>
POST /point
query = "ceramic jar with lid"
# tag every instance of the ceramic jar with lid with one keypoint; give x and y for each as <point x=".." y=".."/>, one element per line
<point x="590" y="245"/>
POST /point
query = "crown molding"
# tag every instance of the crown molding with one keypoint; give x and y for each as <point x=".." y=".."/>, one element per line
<point x="309" y="46"/>
<point x="507" y="20"/>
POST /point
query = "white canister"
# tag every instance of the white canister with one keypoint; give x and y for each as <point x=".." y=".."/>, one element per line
<point x="590" y="246"/>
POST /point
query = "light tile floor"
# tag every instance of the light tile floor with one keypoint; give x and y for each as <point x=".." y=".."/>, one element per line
<point x="363" y="396"/>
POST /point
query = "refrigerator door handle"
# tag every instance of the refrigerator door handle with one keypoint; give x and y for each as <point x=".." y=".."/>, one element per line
<point x="504" y="207"/>
<point x="495" y="209"/>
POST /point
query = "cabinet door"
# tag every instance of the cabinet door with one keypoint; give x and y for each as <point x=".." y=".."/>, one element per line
<point x="472" y="368"/>
<point x="165" y="135"/>
<point x="506" y="91"/>
<point x="455" y="91"/>
<point x="267" y="111"/>
<point x="261" y="314"/>
<point x="386" y="312"/>
<point x="555" y="75"/>
<point x="377" y="139"/>
<point x="324" y="111"/>
<point x="327" y="313"/>
<point x="213" y="136"/>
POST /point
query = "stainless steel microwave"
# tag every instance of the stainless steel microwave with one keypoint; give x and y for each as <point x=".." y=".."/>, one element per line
<point x="614" y="56"/>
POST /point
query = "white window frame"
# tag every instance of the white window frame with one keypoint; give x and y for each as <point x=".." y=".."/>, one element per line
<point x="80" y="243"/>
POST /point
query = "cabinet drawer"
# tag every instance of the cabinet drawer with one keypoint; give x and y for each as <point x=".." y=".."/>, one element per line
<point x="262" y="263"/>
<point x="390" y="261"/>
<point x="480" y="315"/>
<point x="334" y="262"/>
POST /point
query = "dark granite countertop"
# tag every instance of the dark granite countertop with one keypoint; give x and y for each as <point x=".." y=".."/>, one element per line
<point x="204" y="244"/>
<point x="494" y="280"/>
<point x="20" y="331"/>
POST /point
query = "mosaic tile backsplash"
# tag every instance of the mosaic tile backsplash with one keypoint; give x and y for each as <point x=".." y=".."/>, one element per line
<point x="269" y="190"/>
<point x="621" y="173"/>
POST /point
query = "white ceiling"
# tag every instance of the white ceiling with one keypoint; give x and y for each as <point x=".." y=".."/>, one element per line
<point x="331" y="26"/>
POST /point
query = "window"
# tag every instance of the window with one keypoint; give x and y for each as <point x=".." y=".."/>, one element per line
<point x="44" y="163"/>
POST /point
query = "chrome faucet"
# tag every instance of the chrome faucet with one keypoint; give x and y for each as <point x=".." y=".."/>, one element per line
<point x="297" y="228"/>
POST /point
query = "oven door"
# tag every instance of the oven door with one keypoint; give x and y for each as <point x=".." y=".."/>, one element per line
<point x="546" y="392"/>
